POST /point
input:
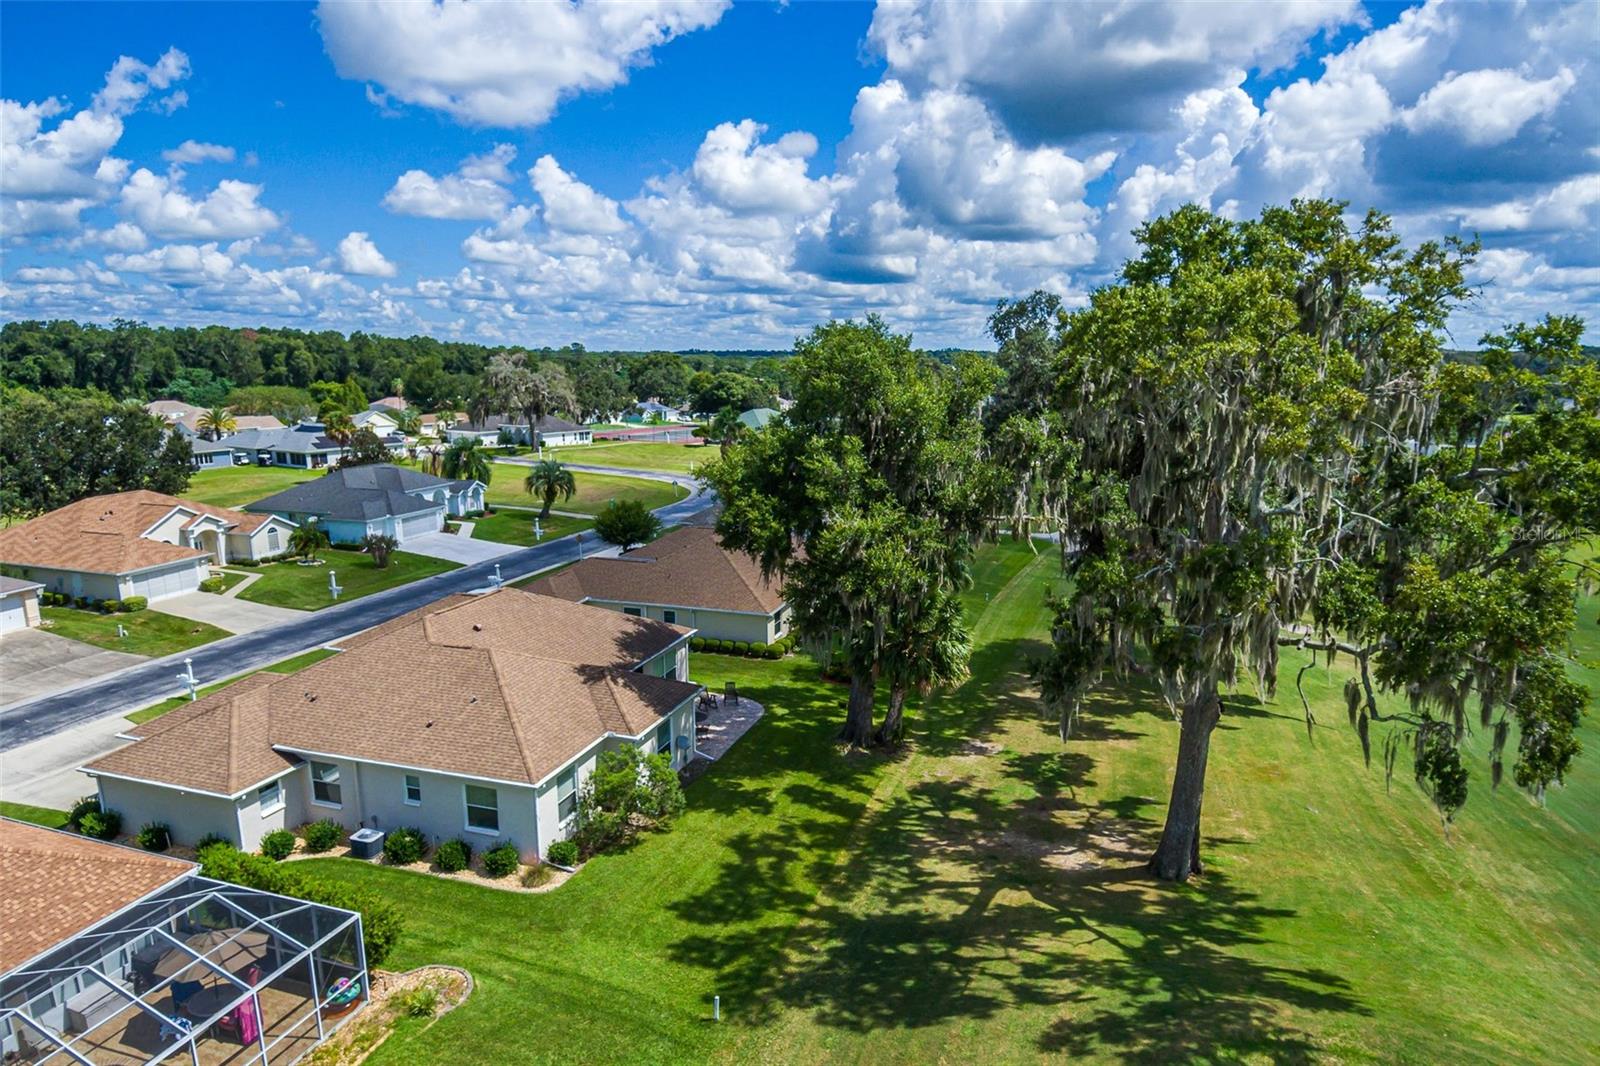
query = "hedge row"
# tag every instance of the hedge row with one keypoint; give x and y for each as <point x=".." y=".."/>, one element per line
<point x="61" y="599"/>
<point x="753" y="649"/>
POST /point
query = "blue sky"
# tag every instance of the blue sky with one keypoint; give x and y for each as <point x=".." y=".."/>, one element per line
<point x="686" y="173"/>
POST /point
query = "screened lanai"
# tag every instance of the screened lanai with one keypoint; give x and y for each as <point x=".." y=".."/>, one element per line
<point x="201" y="972"/>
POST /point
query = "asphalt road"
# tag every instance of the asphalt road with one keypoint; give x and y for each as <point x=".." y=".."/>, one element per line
<point x="156" y="680"/>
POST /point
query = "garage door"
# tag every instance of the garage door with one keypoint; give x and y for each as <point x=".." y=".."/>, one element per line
<point x="12" y="615"/>
<point x="160" y="584"/>
<point x="416" y="525"/>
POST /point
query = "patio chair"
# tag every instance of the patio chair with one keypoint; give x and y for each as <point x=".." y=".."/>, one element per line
<point x="731" y="693"/>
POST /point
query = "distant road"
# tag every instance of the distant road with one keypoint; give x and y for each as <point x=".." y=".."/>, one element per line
<point x="147" y="683"/>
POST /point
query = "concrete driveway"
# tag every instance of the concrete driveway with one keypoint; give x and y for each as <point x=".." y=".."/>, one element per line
<point x="457" y="549"/>
<point x="33" y="662"/>
<point x="228" y="612"/>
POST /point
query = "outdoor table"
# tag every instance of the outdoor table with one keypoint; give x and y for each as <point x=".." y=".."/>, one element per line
<point x="206" y="1002"/>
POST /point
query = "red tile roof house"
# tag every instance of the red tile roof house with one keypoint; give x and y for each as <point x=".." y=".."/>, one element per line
<point x="685" y="578"/>
<point x="477" y="717"/>
<point x="138" y="543"/>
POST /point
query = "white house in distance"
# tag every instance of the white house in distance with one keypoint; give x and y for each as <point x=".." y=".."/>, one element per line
<point x="19" y="603"/>
<point x="137" y="543"/>
<point x="477" y="717"/>
<point x="685" y="578"/>
<point x="378" y="498"/>
<point x="553" y="432"/>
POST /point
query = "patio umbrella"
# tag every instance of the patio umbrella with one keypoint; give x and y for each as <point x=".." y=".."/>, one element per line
<point x="233" y="950"/>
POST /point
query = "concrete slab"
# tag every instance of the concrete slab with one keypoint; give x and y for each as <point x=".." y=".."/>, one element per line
<point x="44" y="773"/>
<point x="456" y="548"/>
<point x="33" y="662"/>
<point x="227" y="612"/>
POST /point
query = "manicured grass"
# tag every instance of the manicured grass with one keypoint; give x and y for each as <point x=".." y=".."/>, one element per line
<point x="149" y="632"/>
<point x="229" y="578"/>
<point x="672" y="458"/>
<point x="594" y="490"/>
<point x="25" y="812"/>
<point x="516" y="527"/>
<point x="235" y="486"/>
<point x="980" y="896"/>
<point x="287" y="666"/>
<point x="305" y="588"/>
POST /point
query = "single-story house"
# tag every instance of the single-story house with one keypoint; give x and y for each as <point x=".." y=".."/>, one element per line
<point x="479" y="716"/>
<point x="380" y="498"/>
<point x="19" y="603"/>
<point x="757" y="417"/>
<point x="654" y="411"/>
<point x="137" y="543"/>
<point x="379" y="421"/>
<point x="184" y="418"/>
<point x="553" y="431"/>
<point x="305" y="445"/>
<point x="114" y="954"/>
<point x="685" y="578"/>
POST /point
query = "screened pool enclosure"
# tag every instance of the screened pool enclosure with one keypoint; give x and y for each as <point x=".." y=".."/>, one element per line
<point x="201" y="972"/>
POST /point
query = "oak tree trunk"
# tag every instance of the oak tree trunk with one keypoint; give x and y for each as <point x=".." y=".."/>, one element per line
<point x="1177" y="857"/>
<point x="857" y="731"/>
<point x="893" y="728"/>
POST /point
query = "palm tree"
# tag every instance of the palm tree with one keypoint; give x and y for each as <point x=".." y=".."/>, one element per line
<point x="468" y="459"/>
<point x="726" y="427"/>
<point x="550" y="479"/>
<point x="435" y="450"/>
<point x="339" y="426"/>
<point x="927" y="648"/>
<point x="379" y="545"/>
<point x="308" y="540"/>
<point x="408" y="421"/>
<point x="216" y="423"/>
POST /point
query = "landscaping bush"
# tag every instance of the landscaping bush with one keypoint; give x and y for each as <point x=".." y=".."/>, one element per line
<point x="563" y="853"/>
<point x="323" y="835"/>
<point x="211" y="839"/>
<point x="697" y="643"/>
<point x="82" y="603"/>
<point x="102" y="825"/>
<point x="134" y="603"/>
<point x="627" y="790"/>
<point x="212" y="584"/>
<point x="252" y="563"/>
<point x="404" y="846"/>
<point x="418" y="1002"/>
<point x="718" y="645"/>
<point x="741" y="647"/>
<point x="772" y="652"/>
<point x="500" y="860"/>
<point x="110" y="606"/>
<point x="453" y="856"/>
<point x="276" y="845"/>
<point x="381" y="924"/>
<point x="538" y="874"/>
<point x="155" y="836"/>
<point x="86" y="805"/>
<point x="758" y="649"/>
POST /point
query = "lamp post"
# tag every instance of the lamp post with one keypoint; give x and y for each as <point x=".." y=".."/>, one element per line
<point x="187" y="678"/>
<point x="333" y="584"/>
<point x="498" y="580"/>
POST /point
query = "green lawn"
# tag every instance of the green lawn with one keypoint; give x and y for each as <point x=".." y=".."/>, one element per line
<point x="516" y="527"/>
<point x="979" y="897"/>
<point x="288" y="584"/>
<point x="594" y="490"/>
<point x="149" y="632"/>
<point x="287" y="666"/>
<point x="235" y="486"/>
<point x="230" y="578"/>
<point x="24" y="812"/>
<point x="671" y="458"/>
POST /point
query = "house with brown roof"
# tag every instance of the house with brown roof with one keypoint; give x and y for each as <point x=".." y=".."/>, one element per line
<point x="479" y="716"/>
<point x="19" y="603"/>
<point x="684" y="578"/>
<point x="137" y="543"/>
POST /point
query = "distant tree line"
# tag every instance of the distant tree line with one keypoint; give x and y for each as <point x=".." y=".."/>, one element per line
<point x="274" y="370"/>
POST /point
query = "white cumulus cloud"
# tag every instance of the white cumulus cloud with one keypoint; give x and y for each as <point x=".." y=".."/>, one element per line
<point x="163" y="209"/>
<point x="358" y="255"/>
<point x="569" y="204"/>
<point x="475" y="191"/>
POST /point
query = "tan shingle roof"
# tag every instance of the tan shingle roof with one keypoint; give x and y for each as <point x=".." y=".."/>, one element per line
<point x="685" y="568"/>
<point x="101" y="534"/>
<point x="54" y="885"/>
<point x="507" y="686"/>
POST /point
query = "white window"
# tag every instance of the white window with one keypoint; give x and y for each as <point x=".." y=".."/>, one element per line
<point x="669" y="616"/>
<point x="270" y="798"/>
<point x="272" y="539"/>
<point x="635" y="611"/>
<point x="325" y="784"/>
<point x="567" y="793"/>
<point x="483" y="809"/>
<point x="413" y="790"/>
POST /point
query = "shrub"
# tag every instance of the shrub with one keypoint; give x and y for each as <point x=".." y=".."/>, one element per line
<point x="758" y="649"/>
<point x="697" y="643"/>
<point x="212" y="584"/>
<point x="277" y="844"/>
<point x="418" y="1002"/>
<point x="102" y="825"/>
<point x="500" y="860"/>
<point x="563" y="853"/>
<point x="155" y="836"/>
<point x="244" y="562"/>
<point x="404" y="846"/>
<point x="718" y="645"/>
<point x="86" y="805"/>
<point x="741" y="647"/>
<point x="323" y="835"/>
<point x="627" y="789"/>
<point x="772" y="652"/>
<point x="211" y="839"/>
<point x="453" y="856"/>
<point x="381" y="924"/>
<point x="134" y="603"/>
<point x="82" y="603"/>
<point x="110" y="606"/>
<point x="538" y="874"/>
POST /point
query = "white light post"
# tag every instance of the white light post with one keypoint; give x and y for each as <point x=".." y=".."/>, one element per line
<point x="498" y="580"/>
<point x="333" y="584"/>
<point x="187" y="678"/>
<point x="538" y="531"/>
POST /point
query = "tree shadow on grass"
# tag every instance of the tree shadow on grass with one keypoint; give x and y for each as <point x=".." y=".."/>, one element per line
<point x="989" y="886"/>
